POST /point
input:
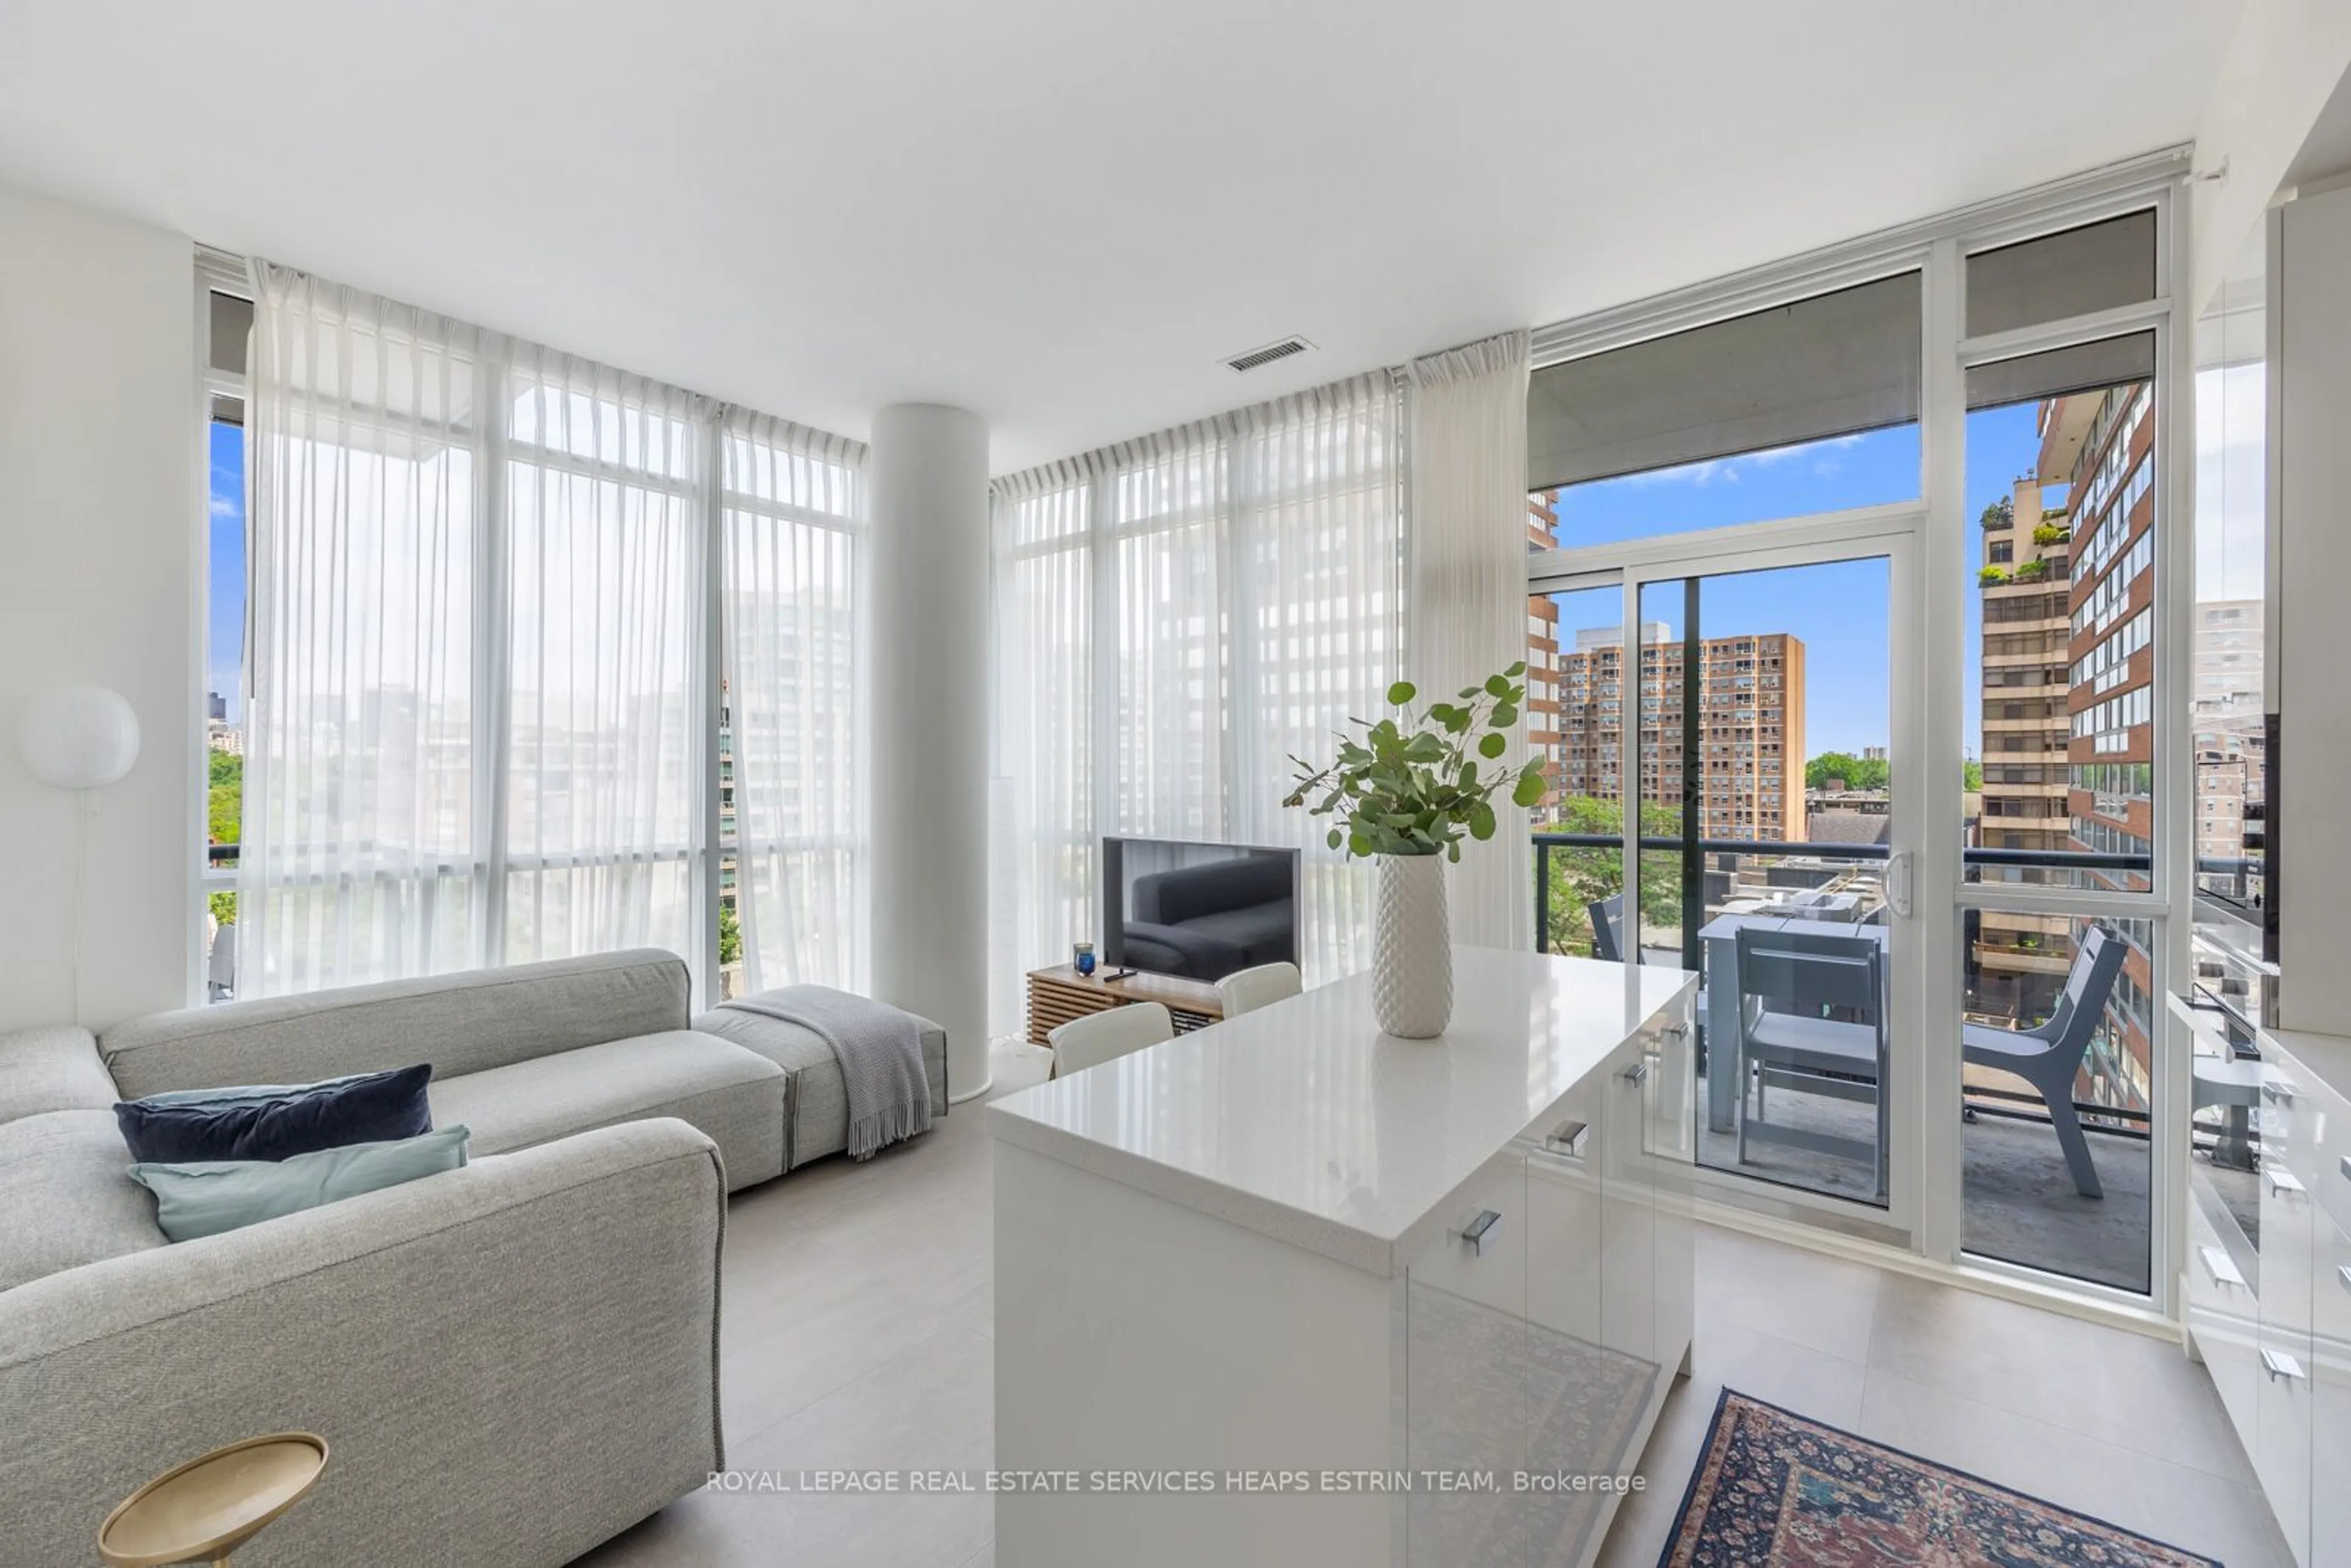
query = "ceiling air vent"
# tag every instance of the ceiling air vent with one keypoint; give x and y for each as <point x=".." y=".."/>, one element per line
<point x="1270" y="352"/>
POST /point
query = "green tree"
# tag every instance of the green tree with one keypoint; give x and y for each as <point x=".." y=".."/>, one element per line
<point x="1998" y="515"/>
<point x="1858" y="772"/>
<point x="1582" y="876"/>
<point x="730" y="935"/>
<point x="1971" y="775"/>
<point x="224" y="797"/>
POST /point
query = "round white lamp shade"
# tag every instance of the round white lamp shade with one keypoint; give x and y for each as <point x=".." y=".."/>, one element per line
<point x="78" y="738"/>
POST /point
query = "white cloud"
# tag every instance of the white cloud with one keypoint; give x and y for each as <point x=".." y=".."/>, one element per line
<point x="224" y="507"/>
<point x="1727" y="470"/>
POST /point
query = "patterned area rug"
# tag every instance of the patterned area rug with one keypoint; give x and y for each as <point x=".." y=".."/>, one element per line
<point x="1774" y="1488"/>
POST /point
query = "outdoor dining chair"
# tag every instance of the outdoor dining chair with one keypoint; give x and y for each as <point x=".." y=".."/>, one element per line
<point x="1789" y="983"/>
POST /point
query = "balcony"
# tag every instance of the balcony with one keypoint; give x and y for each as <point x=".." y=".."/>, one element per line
<point x="2021" y="1203"/>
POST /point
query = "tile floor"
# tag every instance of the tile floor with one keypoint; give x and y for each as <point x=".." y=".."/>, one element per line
<point x="858" y="1308"/>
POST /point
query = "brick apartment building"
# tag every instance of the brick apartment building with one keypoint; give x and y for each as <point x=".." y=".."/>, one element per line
<point x="1751" y="727"/>
<point x="2068" y="713"/>
<point x="2104" y="443"/>
<point x="1544" y="738"/>
<point x="2027" y="731"/>
<point x="2228" y="741"/>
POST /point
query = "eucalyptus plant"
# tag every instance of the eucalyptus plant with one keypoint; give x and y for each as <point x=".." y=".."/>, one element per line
<point x="1413" y="786"/>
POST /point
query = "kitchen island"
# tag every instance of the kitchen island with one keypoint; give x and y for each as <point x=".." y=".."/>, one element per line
<point x="1288" y="1289"/>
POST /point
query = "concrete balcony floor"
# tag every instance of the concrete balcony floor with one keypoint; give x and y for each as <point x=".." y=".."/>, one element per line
<point x="2021" y="1206"/>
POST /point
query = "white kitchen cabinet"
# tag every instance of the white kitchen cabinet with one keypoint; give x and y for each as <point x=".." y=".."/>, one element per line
<point x="2273" y="1321"/>
<point x="2281" y="1439"/>
<point x="2224" y="1317"/>
<point x="2330" y="1396"/>
<point x="1289" y="1246"/>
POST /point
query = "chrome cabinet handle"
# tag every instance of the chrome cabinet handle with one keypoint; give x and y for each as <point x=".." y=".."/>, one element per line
<point x="1480" y="1230"/>
<point x="2279" y="1364"/>
<point x="2224" y="1271"/>
<point x="1567" y="1138"/>
<point x="2346" y="1167"/>
<point x="1637" y="1073"/>
<point x="2284" y="1181"/>
<point x="2344" y="1274"/>
<point x="2280" y="1089"/>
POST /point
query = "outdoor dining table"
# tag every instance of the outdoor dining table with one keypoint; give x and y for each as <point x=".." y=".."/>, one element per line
<point x="1720" y="956"/>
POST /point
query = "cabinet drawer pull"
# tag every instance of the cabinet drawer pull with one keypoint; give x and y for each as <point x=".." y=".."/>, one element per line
<point x="2284" y="1181"/>
<point x="2346" y="1167"/>
<point x="2342" y="1275"/>
<point x="1480" y="1230"/>
<point x="1567" y="1138"/>
<point x="2224" y="1271"/>
<point x="1637" y="1073"/>
<point x="2279" y="1089"/>
<point x="2279" y="1364"/>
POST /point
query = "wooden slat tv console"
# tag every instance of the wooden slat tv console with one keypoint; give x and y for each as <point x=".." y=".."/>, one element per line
<point x="1059" y="994"/>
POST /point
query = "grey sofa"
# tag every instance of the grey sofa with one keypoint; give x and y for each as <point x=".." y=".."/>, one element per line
<point x="816" y="1096"/>
<point x="511" y="1362"/>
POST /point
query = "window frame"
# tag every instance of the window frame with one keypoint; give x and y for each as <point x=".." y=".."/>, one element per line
<point x="1944" y="537"/>
<point x="216" y="272"/>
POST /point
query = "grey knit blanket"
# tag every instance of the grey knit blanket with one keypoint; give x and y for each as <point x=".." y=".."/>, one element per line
<point x="879" y="1049"/>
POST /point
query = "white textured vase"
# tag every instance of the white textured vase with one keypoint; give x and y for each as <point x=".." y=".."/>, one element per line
<point x="1412" y="948"/>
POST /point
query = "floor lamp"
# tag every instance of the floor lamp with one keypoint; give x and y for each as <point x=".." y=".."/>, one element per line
<point x="80" y="738"/>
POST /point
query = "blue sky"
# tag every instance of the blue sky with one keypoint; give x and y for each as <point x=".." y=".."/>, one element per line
<point x="225" y="624"/>
<point x="1839" y="609"/>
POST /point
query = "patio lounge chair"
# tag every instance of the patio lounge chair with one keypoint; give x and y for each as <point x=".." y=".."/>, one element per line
<point x="1809" y="973"/>
<point x="2049" y="1056"/>
<point x="1607" y="927"/>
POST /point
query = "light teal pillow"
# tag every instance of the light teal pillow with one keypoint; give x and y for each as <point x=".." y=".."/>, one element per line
<point x="241" y="1094"/>
<point x="206" y="1198"/>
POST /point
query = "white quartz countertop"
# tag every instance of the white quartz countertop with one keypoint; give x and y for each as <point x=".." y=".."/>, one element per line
<point x="1303" y="1122"/>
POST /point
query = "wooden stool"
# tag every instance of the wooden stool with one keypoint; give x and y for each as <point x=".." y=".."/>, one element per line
<point x="207" y="1508"/>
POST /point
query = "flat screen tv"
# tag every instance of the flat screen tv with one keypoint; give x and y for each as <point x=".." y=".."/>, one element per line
<point x="1195" y="910"/>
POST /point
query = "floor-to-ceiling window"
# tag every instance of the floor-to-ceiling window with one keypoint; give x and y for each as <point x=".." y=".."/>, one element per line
<point x="474" y="612"/>
<point x="2065" y="637"/>
<point x="1864" y="557"/>
<point x="227" y="318"/>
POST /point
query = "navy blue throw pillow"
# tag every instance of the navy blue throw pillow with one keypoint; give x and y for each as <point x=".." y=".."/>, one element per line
<point x="298" y="1119"/>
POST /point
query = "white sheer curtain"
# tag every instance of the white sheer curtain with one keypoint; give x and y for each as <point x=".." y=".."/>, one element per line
<point x="604" y="596"/>
<point x="1468" y="586"/>
<point x="361" y="852"/>
<point x="1044" y="724"/>
<point x="1175" y="617"/>
<point x="480" y="674"/>
<point x="795" y="613"/>
<point x="1319" y="549"/>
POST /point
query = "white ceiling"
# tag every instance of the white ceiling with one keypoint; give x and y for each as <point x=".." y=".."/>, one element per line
<point x="1063" y="214"/>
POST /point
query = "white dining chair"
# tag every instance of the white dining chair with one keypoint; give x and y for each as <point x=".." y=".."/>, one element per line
<point x="1100" y="1037"/>
<point x="1245" y="990"/>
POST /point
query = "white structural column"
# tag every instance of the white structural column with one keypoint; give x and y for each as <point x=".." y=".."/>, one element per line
<point x="928" y="467"/>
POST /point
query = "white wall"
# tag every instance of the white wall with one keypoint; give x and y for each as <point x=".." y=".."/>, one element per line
<point x="2311" y="383"/>
<point x="2280" y="70"/>
<point x="98" y="548"/>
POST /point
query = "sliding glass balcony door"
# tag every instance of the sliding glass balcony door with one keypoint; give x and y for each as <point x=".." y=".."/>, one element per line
<point x="1746" y="736"/>
<point x="1766" y="745"/>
